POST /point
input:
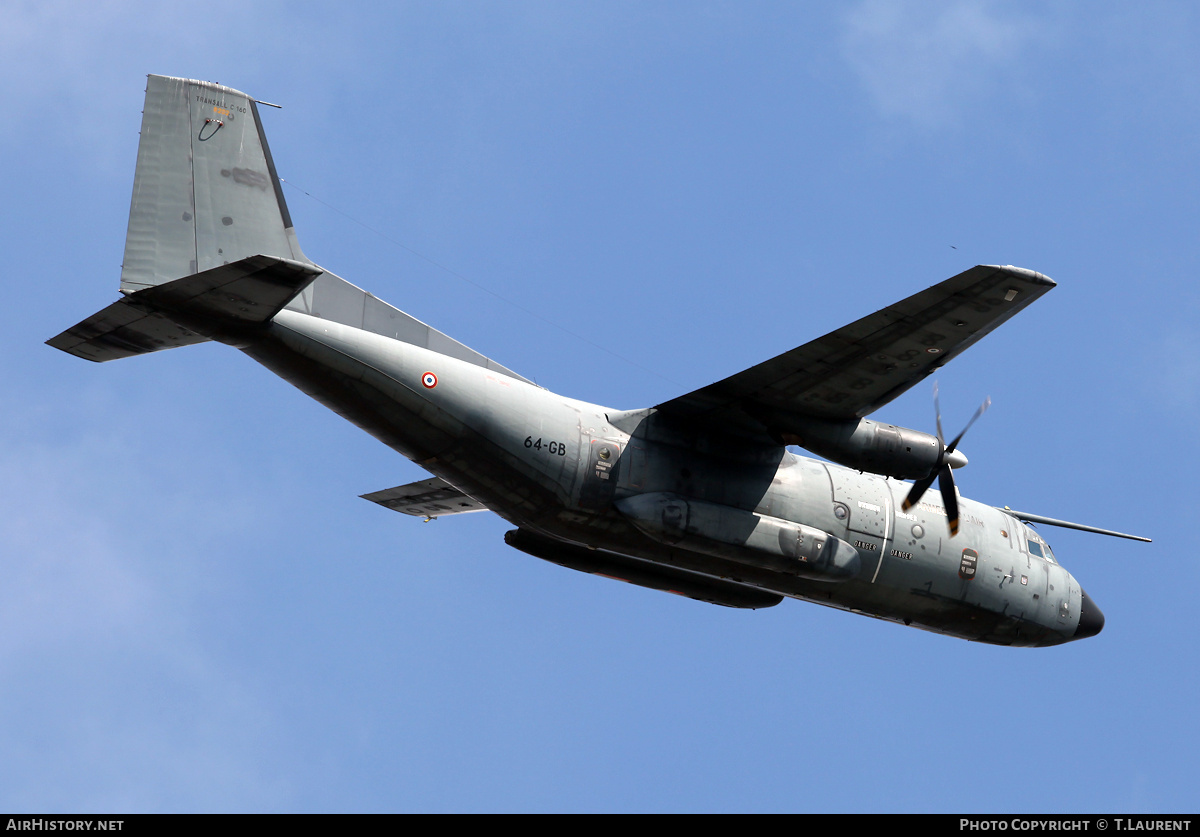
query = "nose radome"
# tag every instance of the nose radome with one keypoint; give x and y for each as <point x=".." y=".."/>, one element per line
<point x="1091" y="619"/>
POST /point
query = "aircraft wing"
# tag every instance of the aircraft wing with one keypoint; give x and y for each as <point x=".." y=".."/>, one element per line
<point x="429" y="498"/>
<point x="853" y="371"/>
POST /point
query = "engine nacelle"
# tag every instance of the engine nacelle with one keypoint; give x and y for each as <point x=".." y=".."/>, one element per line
<point x="867" y="445"/>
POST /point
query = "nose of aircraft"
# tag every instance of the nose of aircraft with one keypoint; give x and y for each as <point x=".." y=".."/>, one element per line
<point x="1091" y="619"/>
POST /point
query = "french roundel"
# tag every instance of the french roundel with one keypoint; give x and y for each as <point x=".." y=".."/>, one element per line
<point x="429" y="380"/>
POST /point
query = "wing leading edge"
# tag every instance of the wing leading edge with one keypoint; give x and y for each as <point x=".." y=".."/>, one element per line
<point x="853" y="371"/>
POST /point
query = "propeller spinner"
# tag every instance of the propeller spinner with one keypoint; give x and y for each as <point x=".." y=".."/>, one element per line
<point x="943" y="470"/>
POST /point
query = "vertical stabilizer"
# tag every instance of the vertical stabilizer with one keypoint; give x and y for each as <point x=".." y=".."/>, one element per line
<point x="205" y="192"/>
<point x="210" y="251"/>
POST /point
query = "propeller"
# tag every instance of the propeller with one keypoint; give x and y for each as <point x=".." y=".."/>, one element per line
<point x="943" y="469"/>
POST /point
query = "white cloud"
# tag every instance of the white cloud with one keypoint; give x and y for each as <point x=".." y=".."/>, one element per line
<point x="924" y="62"/>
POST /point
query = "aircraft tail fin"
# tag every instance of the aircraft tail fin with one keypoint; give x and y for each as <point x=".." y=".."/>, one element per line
<point x="210" y="245"/>
<point x="206" y="197"/>
<point x="205" y="192"/>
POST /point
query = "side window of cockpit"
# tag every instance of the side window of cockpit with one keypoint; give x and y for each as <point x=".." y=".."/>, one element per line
<point x="1041" y="550"/>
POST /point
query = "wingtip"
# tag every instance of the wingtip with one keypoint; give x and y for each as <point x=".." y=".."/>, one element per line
<point x="1025" y="273"/>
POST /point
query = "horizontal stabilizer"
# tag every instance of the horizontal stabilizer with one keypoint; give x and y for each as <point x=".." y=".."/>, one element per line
<point x="247" y="292"/>
<point x="428" y="498"/>
<point x="121" y="330"/>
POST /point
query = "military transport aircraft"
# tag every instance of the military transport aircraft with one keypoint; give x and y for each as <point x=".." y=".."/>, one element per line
<point x="698" y="495"/>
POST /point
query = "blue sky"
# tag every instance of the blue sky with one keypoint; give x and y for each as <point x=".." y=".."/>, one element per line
<point x="622" y="201"/>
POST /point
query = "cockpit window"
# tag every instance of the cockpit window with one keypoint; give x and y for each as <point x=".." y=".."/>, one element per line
<point x="1039" y="547"/>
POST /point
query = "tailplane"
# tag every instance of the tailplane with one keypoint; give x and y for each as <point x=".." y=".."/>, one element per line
<point x="216" y="304"/>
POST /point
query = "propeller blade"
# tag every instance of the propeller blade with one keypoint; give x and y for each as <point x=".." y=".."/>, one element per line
<point x="949" y="497"/>
<point x="919" y="488"/>
<point x="942" y="470"/>
<point x="987" y="402"/>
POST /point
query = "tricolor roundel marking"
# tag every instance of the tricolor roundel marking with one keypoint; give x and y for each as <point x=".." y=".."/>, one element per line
<point x="429" y="380"/>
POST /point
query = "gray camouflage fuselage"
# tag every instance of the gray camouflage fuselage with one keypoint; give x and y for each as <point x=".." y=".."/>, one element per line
<point x="698" y="495"/>
<point x="532" y="457"/>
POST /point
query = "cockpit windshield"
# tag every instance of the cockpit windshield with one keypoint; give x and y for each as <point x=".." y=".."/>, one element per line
<point x="1039" y="547"/>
